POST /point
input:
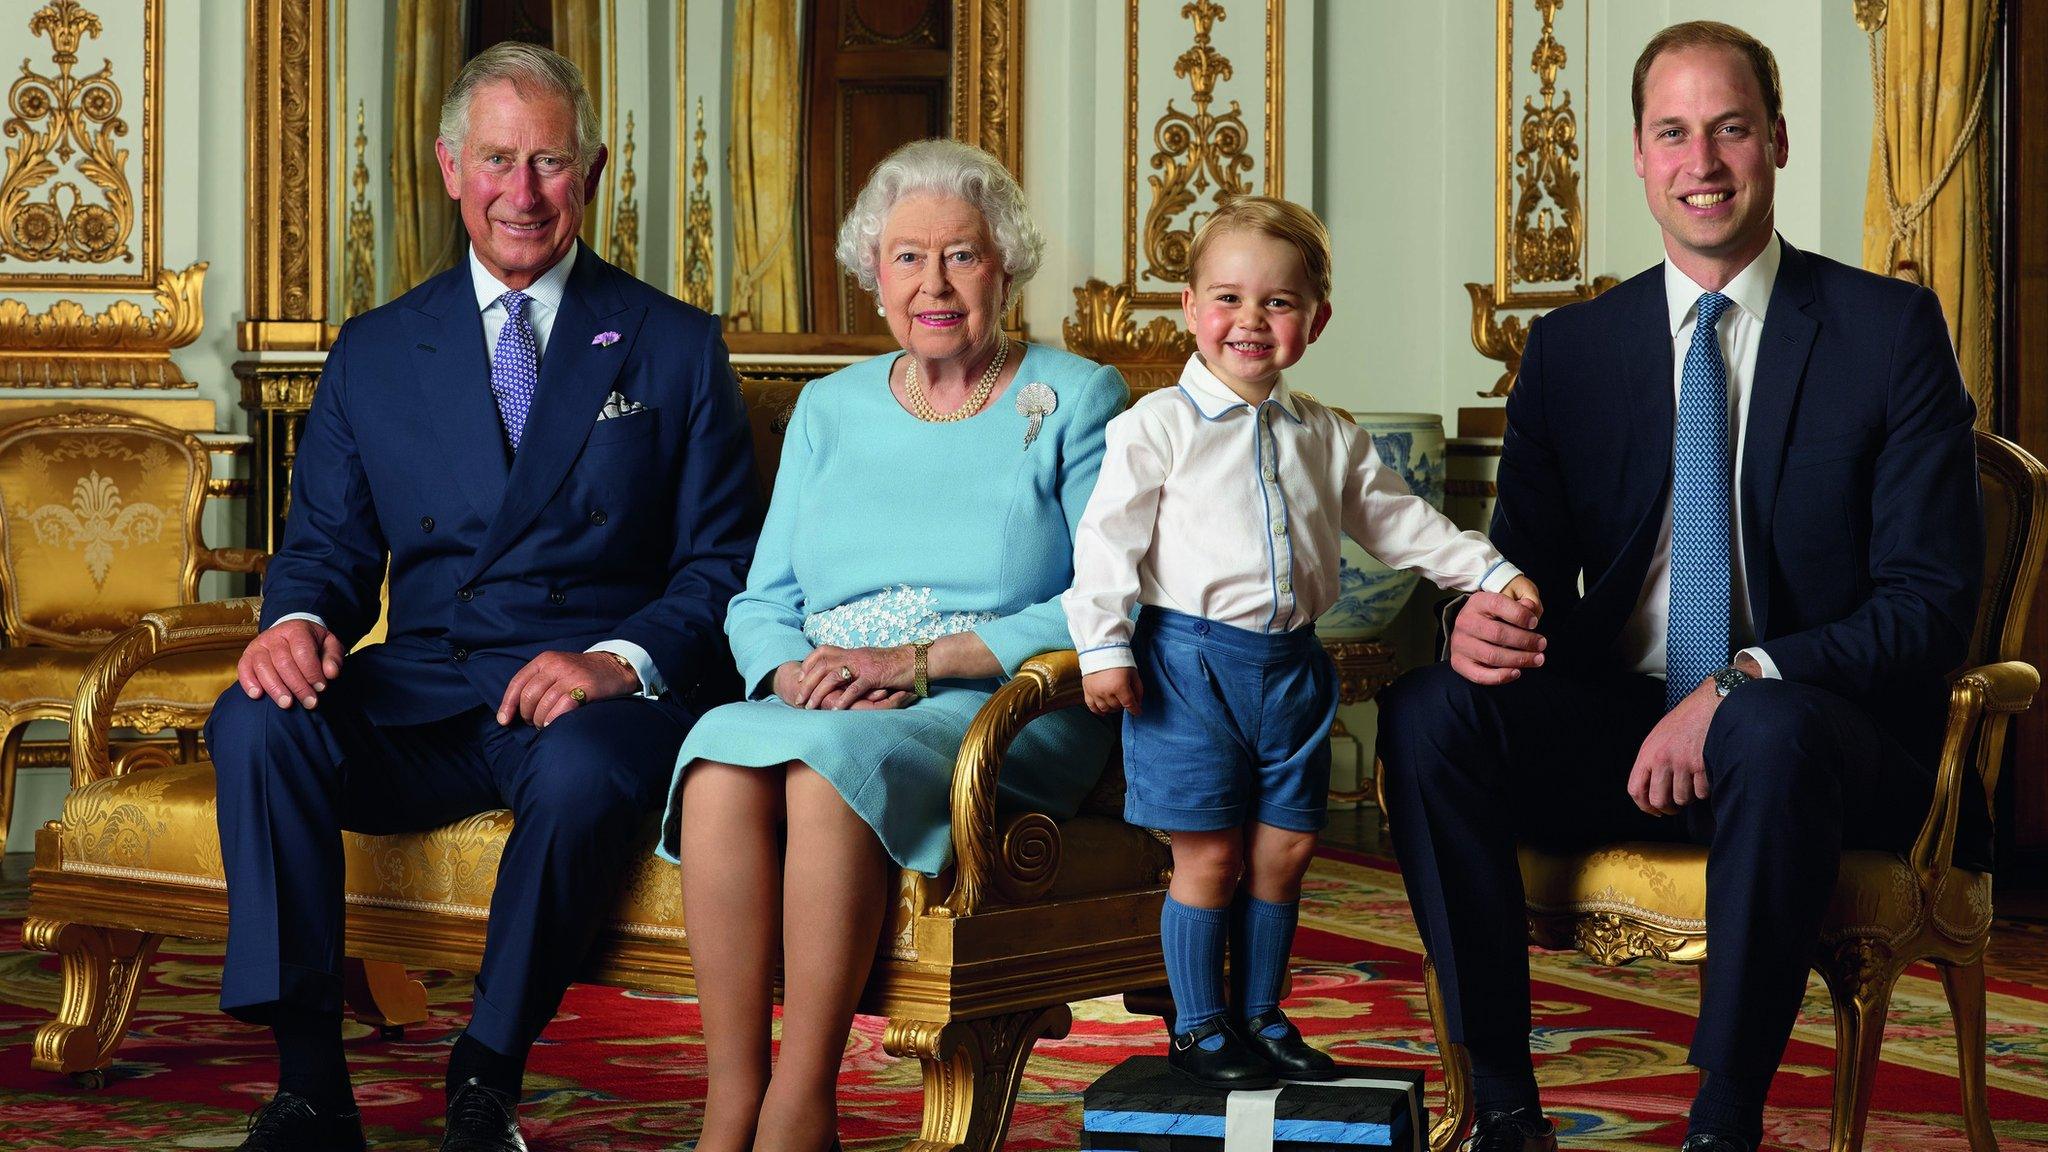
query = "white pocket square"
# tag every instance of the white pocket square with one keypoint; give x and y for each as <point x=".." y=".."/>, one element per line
<point x="616" y="405"/>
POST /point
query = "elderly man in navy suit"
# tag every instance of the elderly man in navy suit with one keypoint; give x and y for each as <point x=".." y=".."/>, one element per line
<point x="552" y="459"/>
<point x="1746" y="482"/>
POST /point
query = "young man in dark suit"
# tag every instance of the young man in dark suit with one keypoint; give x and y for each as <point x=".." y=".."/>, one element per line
<point x="1746" y="481"/>
<point x="552" y="458"/>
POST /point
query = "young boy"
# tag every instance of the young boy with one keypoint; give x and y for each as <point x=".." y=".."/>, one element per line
<point x="1218" y="512"/>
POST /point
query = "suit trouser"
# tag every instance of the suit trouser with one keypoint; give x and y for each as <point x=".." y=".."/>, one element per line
<point x="289" y="781"/>
<point x="1795" y="774"/>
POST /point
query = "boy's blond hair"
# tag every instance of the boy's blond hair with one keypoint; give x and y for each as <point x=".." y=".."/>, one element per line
<point x="1270" y="216"/>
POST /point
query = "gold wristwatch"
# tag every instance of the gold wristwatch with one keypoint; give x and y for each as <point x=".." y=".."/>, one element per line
<point x="921" y="668"/>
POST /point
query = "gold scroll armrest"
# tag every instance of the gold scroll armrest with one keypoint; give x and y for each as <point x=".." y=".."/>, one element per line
<point x="1981" y="704"/>
<point x="213" y="626"/>
<point x="234" y="560"/>
<point x="1019" y="864"/>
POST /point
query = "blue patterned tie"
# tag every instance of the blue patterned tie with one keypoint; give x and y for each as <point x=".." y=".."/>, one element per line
<point x="515" y="367"/>
<point x="1696" y="641"/>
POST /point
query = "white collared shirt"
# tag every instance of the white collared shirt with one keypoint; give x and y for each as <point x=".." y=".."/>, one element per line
<point x="1640" y="647"/>
<point x="1213" y="508"/>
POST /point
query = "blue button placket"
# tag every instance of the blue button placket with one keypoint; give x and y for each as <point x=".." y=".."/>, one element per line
<point x="1280" y="532"/>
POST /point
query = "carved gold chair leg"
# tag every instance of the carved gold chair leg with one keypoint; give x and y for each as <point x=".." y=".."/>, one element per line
<point x="971" y="1072"/>
<point x="103" y="970"/>
<point x="1964" y="984"/>
<point x="10" y="754"/>
<point x="382" y="994"/>
<point x="1457" y="1069"/>
<point x="1859" y="976"/>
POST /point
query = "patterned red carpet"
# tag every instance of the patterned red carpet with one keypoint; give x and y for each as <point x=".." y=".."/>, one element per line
<point x="623" y="1071"/>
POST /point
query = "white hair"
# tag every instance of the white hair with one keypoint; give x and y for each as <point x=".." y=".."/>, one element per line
<point x="945" y="168"/>
<point x="525" y="66"/>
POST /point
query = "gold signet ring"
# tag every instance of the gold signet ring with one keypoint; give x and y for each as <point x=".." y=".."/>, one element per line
<point x="845" y="673"/>
<point x="578" y="695"/>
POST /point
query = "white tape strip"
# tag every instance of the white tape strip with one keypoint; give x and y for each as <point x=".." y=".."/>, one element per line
<point x="1248" y="1117"/>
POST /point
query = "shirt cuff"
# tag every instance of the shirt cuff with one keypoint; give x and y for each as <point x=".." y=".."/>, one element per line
<point x="651" y="683"/>
<point x="301" y="616"/>
<point x="1106" y="656"/>
<point x="1763" y="661"/>
<point x="1499" y="576"/>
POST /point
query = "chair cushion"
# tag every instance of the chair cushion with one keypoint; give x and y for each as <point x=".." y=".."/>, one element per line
<point x="48" y="678"/>
<point x="158" y="825"/>
<point x="1666" y="885"/>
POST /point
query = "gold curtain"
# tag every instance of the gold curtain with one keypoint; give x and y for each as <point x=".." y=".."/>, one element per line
<point x="1927" y="214"/>
<point x="579" y="34"/>
<point x="425" y="224"/>
<point x="767" y="93"/>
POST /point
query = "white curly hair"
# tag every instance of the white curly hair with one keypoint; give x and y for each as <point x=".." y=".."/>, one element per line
<point x="946" y="168"/>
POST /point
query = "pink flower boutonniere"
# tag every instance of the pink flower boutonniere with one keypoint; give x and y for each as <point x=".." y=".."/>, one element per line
<point x="605" y="339"/>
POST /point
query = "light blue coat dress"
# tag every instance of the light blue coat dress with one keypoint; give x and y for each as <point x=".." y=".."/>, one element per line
<point x="885" y="529"/>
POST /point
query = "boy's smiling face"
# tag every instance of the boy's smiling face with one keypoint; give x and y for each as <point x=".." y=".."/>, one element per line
<point x="1252" y="311"/>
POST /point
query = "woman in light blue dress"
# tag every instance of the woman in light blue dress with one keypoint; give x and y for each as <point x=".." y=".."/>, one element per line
<point x="918" y="540"/>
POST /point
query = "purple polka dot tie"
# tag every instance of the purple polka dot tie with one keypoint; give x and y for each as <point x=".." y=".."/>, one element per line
<point x="515" y="367"/>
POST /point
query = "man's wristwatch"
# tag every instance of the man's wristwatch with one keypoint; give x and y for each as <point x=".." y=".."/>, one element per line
<point x="1726" y="680"/>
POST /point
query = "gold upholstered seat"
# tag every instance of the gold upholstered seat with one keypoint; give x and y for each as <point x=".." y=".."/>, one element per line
<point x="974" y="965"/>
<point x="99" y="523"/>
<point x="1623" y="902"/>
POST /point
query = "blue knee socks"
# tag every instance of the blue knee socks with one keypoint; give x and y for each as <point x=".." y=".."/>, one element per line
<point x="1193" y="940"/>
<point x="1262" y="938"/>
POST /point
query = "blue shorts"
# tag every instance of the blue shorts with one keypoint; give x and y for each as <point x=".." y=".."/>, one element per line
<point x="1232" y="728"/>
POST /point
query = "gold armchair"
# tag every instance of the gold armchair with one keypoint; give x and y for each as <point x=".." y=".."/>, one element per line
<point x="973" y="967"/>
<point x="1624" y="902"/>
<point x="99" y="523"/>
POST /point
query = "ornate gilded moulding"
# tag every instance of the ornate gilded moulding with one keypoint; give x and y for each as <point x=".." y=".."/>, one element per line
<point x="80" y="201"/>
<point x="1198" y="157"/>
<point x="1540" y="200"/>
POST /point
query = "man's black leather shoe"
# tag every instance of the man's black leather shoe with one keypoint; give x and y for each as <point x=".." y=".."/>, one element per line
<point x="482" y="1119"/>
<point x="290" y="1123"/>
<point x="1289" y="1054"/>
<point x="1712" y="1142"/>
<point x="1234" y="1065"/>
<point x="1523" y="1130"/>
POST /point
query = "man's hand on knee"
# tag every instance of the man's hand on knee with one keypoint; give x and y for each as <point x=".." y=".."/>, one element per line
<point x="290" y="662"/>
<point x="1494" y="638"/>
<point x="1671" y="769"/>
<point x="555" y="682"/>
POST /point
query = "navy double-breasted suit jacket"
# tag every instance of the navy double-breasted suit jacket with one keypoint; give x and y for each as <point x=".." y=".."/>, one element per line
<point x="637" y="527"/>
<point x="1862" y="532"/>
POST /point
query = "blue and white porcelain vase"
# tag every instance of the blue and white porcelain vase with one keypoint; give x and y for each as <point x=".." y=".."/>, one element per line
<point x="1370" y="594"/>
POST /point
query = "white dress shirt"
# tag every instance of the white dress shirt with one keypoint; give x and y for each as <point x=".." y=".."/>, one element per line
<point x="1213" y="508"/>
<point x="1640" y="647"/>
<point x="544" y="302"/>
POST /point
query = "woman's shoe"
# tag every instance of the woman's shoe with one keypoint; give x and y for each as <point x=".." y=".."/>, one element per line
<point x="1231" y="1066"/>
<point x="1288" y="1053"/>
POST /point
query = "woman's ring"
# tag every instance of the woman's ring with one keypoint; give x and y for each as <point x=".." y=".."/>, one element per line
<point x="845" y="674"/>
<point x="578" y="695"/>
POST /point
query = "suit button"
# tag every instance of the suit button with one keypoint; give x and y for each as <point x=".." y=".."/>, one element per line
<point x="597" y="517"/>
<point x="557" y="598"/>
<point x="465" y="595"/>
<point x="426" y="523"/>
<point x="460" y="655"/>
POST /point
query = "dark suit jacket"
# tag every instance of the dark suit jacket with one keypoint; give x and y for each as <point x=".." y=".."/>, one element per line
<point x="1863" y="537"/>
<point x="636" y="528"/>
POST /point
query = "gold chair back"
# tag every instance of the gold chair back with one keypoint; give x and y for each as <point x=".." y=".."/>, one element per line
<point x="99" y="523"/>
<point x="2015" y="487"/>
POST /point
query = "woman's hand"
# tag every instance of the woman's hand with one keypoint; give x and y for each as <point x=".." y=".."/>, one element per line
<point x="788" y="680"/>
<point x="847" y="677"/>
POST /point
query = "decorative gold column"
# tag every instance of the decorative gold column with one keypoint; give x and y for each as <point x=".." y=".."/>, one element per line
<point x="988" y="77"/>
<point x="285" y="302"/>
<point x="276" y="396"/>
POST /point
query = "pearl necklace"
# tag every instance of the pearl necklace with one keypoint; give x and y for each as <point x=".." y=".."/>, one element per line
<point x="922" y="408"/>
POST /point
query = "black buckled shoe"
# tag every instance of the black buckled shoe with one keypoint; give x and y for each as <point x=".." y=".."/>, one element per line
<point x="1234" y="1065"/>
<point x="482" y="1119"/>
<point x="1712" y="1142"/>
<point x="1290" y="1055"/>
<point x="290" y="1123"/>
<point x="1522" y="1130"/>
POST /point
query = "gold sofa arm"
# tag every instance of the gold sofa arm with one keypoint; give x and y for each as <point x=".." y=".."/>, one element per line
<point x="1981" y="704"/>
<point x="212" y="626"/>
<point x="1020" y="863"/>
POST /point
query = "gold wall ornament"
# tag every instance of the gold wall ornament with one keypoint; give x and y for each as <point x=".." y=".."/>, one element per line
<point x="625" y="239"/>
<point x="1540" y="206"/>
<point x="286" y="242"/>
<point x="1196" y="154"/>
<point x="1104" y="329"/>
<point x="361" y="292"/>
<point x="120" y="346"/>
<point x="988" y="79"/>
<point x="697" y="233"/>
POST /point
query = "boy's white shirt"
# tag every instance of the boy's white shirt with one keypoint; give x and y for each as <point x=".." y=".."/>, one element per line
<point x="1211" y="508"/>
